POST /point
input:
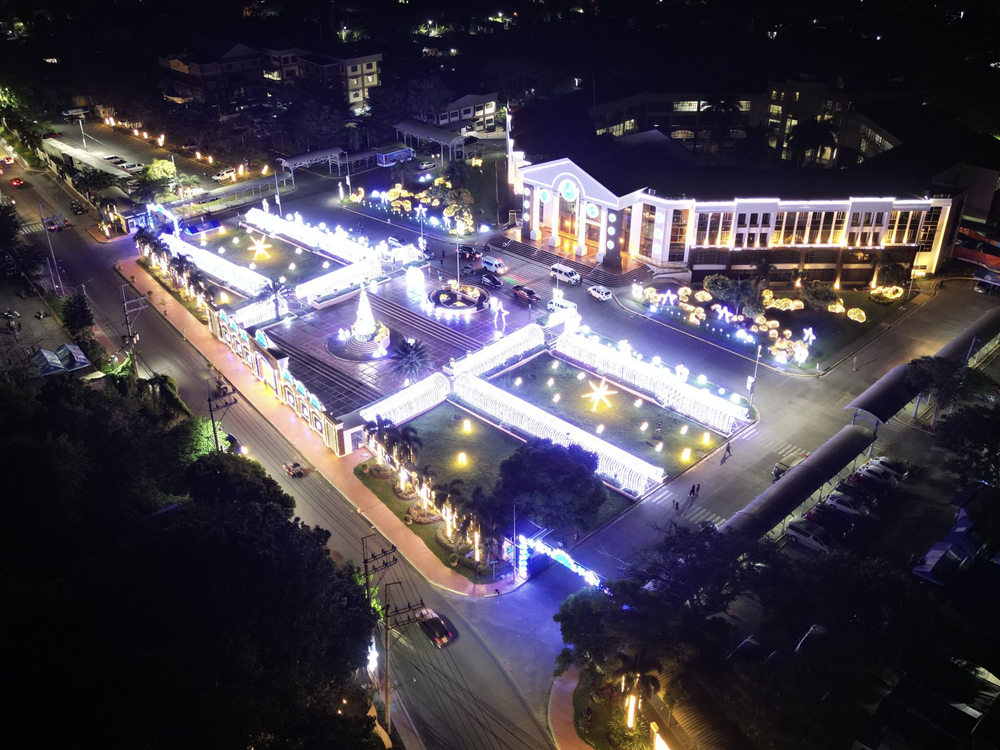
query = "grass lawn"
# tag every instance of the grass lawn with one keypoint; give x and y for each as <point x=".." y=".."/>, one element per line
<point x="442" y="431"/>
<point x="594" y="732"/>
<point x="833" y="331"/>
<point x="281" y="254"/>
<point x="622" y="422"/>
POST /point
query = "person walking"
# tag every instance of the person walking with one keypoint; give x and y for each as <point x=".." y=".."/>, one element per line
<point x="697" y="490"/>
<point x="691" y="493"/>
<point x="729" y="450"/>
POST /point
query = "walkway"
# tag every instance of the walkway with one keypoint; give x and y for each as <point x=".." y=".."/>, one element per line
<point x="338" y="471"/>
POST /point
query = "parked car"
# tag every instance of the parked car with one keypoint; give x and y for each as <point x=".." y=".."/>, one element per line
<point x="52" y="135"/>
<point x="468" y="270"/>
<point x="490" y="281"/>
<point x="192" y="147"/>
<point x="809" y="535"/>
<point x="837" y="523"/>
<point x="224" y="174"/>
<point x="525" y="294"/>
<point x="435" y="628"/>
<point x="900" y="469"/>
<point x="599" y="292"/>
<point x="133" y="168"/>
<point x="879" y="474"/>
<point x="112" y="159"/>
<point x="857" y="491"/>
<point x="12" y="314"/>
<point x="875" y="486"/>
<point x="468" y="252"/>
<point x="8" y="160"/>
<point x="847" y="505"/>
<point x="294" y="469"/>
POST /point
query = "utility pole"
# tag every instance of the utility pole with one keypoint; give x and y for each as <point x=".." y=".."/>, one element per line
<point x="376" y="562"/>
<point x="400" y="617"/>
<point x="220" y="400"/>
<point x="130" y="338"/>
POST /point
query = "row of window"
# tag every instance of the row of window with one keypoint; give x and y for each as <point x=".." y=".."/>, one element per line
<point x="697" y="106"/>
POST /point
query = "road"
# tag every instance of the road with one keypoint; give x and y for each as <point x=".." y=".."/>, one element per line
<point x="461" y="696"/>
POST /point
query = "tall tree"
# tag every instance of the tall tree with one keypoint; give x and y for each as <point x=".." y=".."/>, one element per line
<point x="77" y="314"/>
<point x="427" y="96"/>
<point x="813" y="137"/>
<point x="972" y="434"/>
<point x="950" y="379"/>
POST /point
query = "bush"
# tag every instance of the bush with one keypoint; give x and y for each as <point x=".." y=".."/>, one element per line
<point x="716" y="284"/>
<point x="819" y="296"/>
<point x="482" y="569"/>
<point x="752" y="309"/>
<point x="620" y="736"/>
<point x="407" y="519"/>
<point x="453" y="559"/>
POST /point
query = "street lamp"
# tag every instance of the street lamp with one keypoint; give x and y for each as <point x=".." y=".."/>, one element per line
<point x="753" y="383"/>
<point x="421" y="212"/>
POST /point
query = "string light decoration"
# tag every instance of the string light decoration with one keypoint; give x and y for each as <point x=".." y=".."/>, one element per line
<point x="259" y="246"/>
<point x="599" y="394"/>
<point x="236" y="277"/>
<point x="632" y="473"/>
<point x="407" y="403"/>
<point x="495" y="354"/>
<point x="336" y="243"/>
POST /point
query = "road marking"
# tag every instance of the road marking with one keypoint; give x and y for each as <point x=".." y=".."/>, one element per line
<point x="699" y="514"/>
<point x="748" y="434"/>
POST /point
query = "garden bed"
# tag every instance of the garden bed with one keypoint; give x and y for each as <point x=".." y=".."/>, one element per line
<point x="622" y="422"/>
<point x="280" y="255"/>
<point x="201" y="315"/>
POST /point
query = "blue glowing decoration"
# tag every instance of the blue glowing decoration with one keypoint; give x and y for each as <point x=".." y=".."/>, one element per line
<point x="544" y="195"/>
<point x="561" y="556"/>
<point x="243" y="336"/>
<point x="593" y="210"/>
<point x="261" y="339"/>
<point x="567" y="189"/>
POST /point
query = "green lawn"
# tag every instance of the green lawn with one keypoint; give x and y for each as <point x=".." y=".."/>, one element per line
<point x="622" y="421"/>
<point x="442" y="431"/>
<point x="833" y="332"/>
<point x="280" y="255"/>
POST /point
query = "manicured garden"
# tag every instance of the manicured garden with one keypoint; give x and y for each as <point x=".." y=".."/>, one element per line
<point x="269" y="257"/>
<point x="621" y="423"/>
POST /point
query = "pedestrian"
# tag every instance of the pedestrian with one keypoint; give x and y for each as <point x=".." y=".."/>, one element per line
<point x="576" y="537"/>
<point x="659" y="427"/>
<point x="497" y="591"/>
<point x="677" y="506"/>
<point x="729" y="450"/>
<point x="697" y="490"/>
<point x="691" y="493"/>
<point x="442" y="259"/>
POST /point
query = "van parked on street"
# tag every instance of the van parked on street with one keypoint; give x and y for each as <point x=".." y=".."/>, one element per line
<point x="562" y="272"/>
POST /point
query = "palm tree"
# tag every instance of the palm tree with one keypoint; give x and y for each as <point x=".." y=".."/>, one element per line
<point x="738" y="292"/>
<point x="409" y="360"/>
<point x="458" y="172"/>
<point x="762" y="273"/>
<point x="722" y="113"/>
<point x="889" y="268"/>
<point x="466" y="510"/>
<point x="448" y="493"/>
<point x="815" y="136"/>
<point x="409" y="443"/>
<point x="378" y="428"/>
<point x="274" y="291"/>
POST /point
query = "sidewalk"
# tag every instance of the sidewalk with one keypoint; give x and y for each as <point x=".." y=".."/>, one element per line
<point x="338" y="471"/>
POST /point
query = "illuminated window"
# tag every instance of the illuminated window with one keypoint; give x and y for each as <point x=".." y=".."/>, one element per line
<point x="682" y="134"/>
<point x="685" y="106"/>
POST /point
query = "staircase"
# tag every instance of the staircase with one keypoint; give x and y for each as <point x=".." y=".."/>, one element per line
<point x="593" y="273"/>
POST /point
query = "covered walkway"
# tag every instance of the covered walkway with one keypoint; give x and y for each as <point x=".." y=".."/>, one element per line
<point x="420" y="132"/>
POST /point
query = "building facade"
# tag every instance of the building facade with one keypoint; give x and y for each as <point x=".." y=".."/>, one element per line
<point x="236" y="75"/>
<point x="356" y="76"/>
<point x="834" y="239"/>
<point x="475" y="113"/>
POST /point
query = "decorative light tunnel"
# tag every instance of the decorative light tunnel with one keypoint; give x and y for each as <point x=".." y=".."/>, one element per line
<point x="407" y="403"/>
<point x="525" y="546"/>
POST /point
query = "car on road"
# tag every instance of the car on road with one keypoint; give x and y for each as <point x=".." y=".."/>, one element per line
<point x="8" y="160"/>
<point x="114" y="159"/>
<point x="525" y="294"/>
<point x="294" y="469"/>
<point x="559" y="303"/>
<point x="52" y="135"/>
<point x="77" y="208"/>
<point x="435" y="628"/>
<point x="427" y="164"/>
<point x="468" y="252"/>
<point x="468" y="270"/>
<point x="490" y="281"/>
<point x="235" y="446"/>
<point x="17" y="182"/>
<point x="55" y="226"/>
<point x="494" y="265"/>
<point x="809" y="535"/>
<point x="133" y="168"/>
<point x="224" y="174"/>
<point x="393" y="242"/>
<point x="599" y="292"/>
<point x="847" y="505"/>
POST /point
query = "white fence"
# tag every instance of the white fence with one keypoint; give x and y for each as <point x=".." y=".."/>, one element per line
<point x="417" y="398"/>
<point x="495" y="354"/>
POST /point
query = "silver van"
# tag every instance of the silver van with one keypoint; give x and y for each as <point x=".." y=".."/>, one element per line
<point x="563" y="272"/>
<point x="809" y="535"/>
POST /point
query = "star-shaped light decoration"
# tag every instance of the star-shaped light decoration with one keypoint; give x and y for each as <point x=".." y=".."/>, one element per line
<point x="599" y="393"/>
<point x="260" y="246"/>
<point x="808" y="337"/>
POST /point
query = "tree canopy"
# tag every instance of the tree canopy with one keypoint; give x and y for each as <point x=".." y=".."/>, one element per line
<point x="160" y="595"/>
<point x="553" y="484"/>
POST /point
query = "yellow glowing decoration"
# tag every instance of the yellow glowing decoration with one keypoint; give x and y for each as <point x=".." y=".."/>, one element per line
<point x="706" y="438"/>
<point x="684" y="292"/>
<point x="837" y="307"/>
<point x="467" y="426"/>
<point x="703" y="296"/>
<point x="550" y="382"/>
<point x="643" y="426"/>
<point x="462" y="459"/>
<point x="260" y="246"/>
<point x="887" y="293"/>
<point x="684" y="429"/>
<point x="599" y="394"/>
<point x="686" y="454"/>
<point x="659" y="447"/>
<point x="857" y="315"/>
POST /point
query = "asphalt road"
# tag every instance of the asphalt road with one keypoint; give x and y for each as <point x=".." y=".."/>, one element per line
<point x="461" y="696"/>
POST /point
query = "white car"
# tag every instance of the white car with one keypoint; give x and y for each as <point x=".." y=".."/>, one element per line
<point x="880" y="475"/>
<point x="427" y="165"/>
<point x="847" y="505"/>
<point x="897" y="468"/>
<point x="393" y="242"/>
<point x="133" y="168"/>
<point x="809" y="535"/>
<point x="225" y="174"/>
<point x="600" y="292"/>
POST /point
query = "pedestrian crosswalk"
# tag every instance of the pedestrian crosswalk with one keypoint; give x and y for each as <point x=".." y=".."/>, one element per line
<point x="687" y="509"/>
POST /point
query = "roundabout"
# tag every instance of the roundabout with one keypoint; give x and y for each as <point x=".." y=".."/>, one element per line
<point x="459" y="299"/>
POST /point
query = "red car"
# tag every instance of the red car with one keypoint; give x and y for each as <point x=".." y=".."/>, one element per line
<point x="52" y="135"/>
<point x="17" y="182"/>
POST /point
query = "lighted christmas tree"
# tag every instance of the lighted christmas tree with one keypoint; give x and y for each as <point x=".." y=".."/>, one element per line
<point x="364" y="325"/>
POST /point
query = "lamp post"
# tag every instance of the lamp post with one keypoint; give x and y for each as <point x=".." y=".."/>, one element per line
<point x="753" y="385"/>
<point x="421" y="211"/>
